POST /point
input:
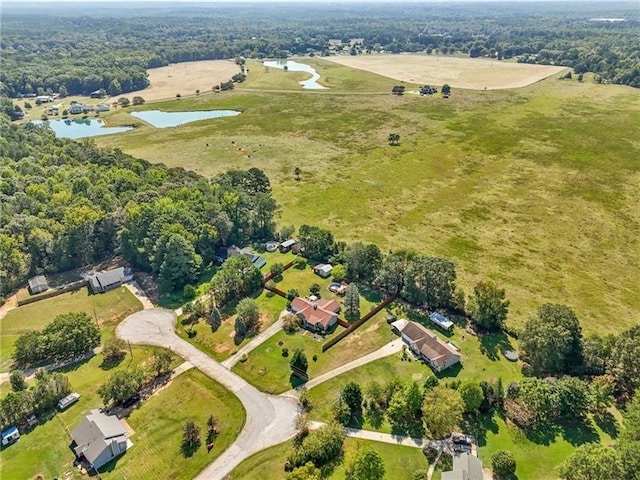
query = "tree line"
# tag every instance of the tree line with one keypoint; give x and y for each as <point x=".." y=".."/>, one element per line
<point x="66" y="204"/>
<point x="52" y="53"/>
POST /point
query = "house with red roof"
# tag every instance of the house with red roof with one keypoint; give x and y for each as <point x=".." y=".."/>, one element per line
<point x="316" y="314"/>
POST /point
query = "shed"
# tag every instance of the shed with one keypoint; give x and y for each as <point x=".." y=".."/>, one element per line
<point x="441" y="321"/>
<point x="323" y="269"/>
<point x="10" y="435"/>
<point x="286" y="245"/>
<point x="38" y="284"/>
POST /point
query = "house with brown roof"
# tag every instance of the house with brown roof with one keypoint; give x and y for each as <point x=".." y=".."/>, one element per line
<point x="426" y="344"/>
<point x="316" y="314"/>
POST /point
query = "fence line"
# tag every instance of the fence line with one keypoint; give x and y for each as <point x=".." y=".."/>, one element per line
<point x="67" y="288"/>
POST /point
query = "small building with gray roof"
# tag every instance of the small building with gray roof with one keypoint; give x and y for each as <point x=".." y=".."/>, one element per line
<point x="465" y="467"/>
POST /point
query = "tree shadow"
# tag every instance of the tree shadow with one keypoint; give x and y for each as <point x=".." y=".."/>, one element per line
<point x="481" y="424"/>
<point x="408" y="427"/>
<point x="579" y="432"/>
<point x="188" y="449"/>
<point x="369" y="294"/>
<point x="607" y="423"/>
<point x="296" y="381"/>
<point x="543" y="434"/>
<point x="451" y="372"/>
<point x="493" y="344"/>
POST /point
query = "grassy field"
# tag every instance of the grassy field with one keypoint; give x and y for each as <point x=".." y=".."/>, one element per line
<point x="45" y="449"/>
<point x="534" y="188"/>
<point x="109" y="308"/>
<point x="222" y="343"/>
<point x="158" y="430"/>
<point x="269" y="371"/>
<point x="400" y="462"/>
<point x="473" y="73"/>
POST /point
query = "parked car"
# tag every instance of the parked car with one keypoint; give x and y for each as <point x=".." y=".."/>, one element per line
<point x="391" y="319"/>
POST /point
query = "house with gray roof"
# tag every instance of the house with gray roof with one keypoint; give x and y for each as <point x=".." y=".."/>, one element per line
<point x="108" y="280"/>
<point x="99" y="438"/>
<point x="465" y="467"/>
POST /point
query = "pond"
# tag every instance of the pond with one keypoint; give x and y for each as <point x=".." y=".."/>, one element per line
<point x="310" y="84"/>
<point x="172" y="119"/>
<point x="81" y="127"/>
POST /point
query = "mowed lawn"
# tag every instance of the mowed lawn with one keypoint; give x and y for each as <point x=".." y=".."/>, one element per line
<point x="158" y="430"/>
<point x="267" y="369"/>
<point x="45" y="449"/>
<point x="109" y="309"/>
<point x="400" y="461"/>
<point x="532" y="188"/>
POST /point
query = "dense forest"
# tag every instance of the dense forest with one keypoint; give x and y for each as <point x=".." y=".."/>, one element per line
<point x="54" y="49"/>
<point x="66" y="204"/>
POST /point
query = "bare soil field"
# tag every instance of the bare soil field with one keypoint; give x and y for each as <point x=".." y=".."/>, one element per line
<point x="471" y="73"/>
<point x="185" y="79"/>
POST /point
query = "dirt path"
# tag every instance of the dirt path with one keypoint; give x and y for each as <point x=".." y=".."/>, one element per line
<point x="269" y="419"/>
<point x="10" y="304"/>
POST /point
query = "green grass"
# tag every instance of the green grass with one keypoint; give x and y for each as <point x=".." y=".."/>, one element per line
<point x="270" y="372"/>
<point x="109" y="308"/>
<point x="158" y="429"/>
<point x="400" y="461"/>
<point x="222" y="343"/>
<point x="529" y="453"/>
<point x="45" y="449"/>
<point x="532" y="188"/>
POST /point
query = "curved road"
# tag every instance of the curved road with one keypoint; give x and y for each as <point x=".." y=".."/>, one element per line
<point x="270" y="419"/>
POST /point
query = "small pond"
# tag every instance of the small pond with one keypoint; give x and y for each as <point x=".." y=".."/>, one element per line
<point x="291" y="66"/>
<point x="81" y="127"/>
<point x="172" y="119"/>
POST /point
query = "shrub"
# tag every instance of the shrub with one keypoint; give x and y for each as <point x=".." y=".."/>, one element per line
<point x="189" y="292"/>
<point x="503" y="464"/>
<point x="291" y="323"/>
<point x="292" y="293"/>
<point x="285" y="352"/>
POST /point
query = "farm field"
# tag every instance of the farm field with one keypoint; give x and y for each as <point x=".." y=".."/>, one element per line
<point x="531" y="188"/>
<point x="400" y="461"/>
<point x="184" y="78"/>
<point x="471" y="73"/>
<point x="109" y="308"/>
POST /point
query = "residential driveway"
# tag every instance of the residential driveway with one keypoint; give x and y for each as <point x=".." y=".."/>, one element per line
<point x="389" y="349"/>
<point x="269" y="419"/>
<point x="139" y="293"/>
<point x="255" y="342"/>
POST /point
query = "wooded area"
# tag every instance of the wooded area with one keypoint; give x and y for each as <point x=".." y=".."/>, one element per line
<point x="67" y="204"/>
<point x="57" y="51"/>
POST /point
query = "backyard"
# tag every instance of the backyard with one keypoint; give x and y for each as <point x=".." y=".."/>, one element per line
<point x="108" y="308"/>
<point x="45" y="449"/>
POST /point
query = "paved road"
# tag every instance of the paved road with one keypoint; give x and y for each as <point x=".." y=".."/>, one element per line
<point x="269" y="419"/>
<point x="389" y="349"/>
<point x="255" y="342"/>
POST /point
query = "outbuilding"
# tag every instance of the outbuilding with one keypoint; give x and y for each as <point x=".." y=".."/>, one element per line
<point x="10" y="435"/>
<point x="323" y="270"/>
<point x="286" y="245"/>
<point x="100" y="438"/>
<point x="38" y="284"/>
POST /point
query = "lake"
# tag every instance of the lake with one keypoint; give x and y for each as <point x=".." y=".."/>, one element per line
<point x="310" y="84"/>
<point x="172" y="119"/>
<point x="81" y="127"/>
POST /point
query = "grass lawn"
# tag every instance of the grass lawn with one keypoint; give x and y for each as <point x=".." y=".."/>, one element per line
<point x="400" y="461"/>
<point x="269" y="371"/>
<point x="538" y="460"/>
<point x="532" y="188"/>
<point x="158" y="429"/>
<point x="45" y="449"/>
<point x="109" y="308"/>
<point x="222" y="343"/>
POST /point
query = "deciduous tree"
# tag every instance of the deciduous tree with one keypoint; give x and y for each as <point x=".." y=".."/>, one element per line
<point x="488" y="306"/>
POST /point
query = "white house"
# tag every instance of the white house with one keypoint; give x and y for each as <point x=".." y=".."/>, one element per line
<point x="76" y="108"/>
<point x="100" y="438"/>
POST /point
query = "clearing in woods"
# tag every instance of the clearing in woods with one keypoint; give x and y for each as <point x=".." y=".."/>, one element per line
<point x="471" y="73"/>
<point x="185" y="79"/>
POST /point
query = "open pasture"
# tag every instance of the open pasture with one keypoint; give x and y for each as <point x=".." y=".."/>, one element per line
<point x="535" y="188"/>
<point x="184" y="78"/>
<point x="471" y="73"/>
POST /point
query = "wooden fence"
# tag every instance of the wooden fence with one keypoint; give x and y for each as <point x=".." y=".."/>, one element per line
<point x="351" y="327"/>
<point x="71" y="287"/>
